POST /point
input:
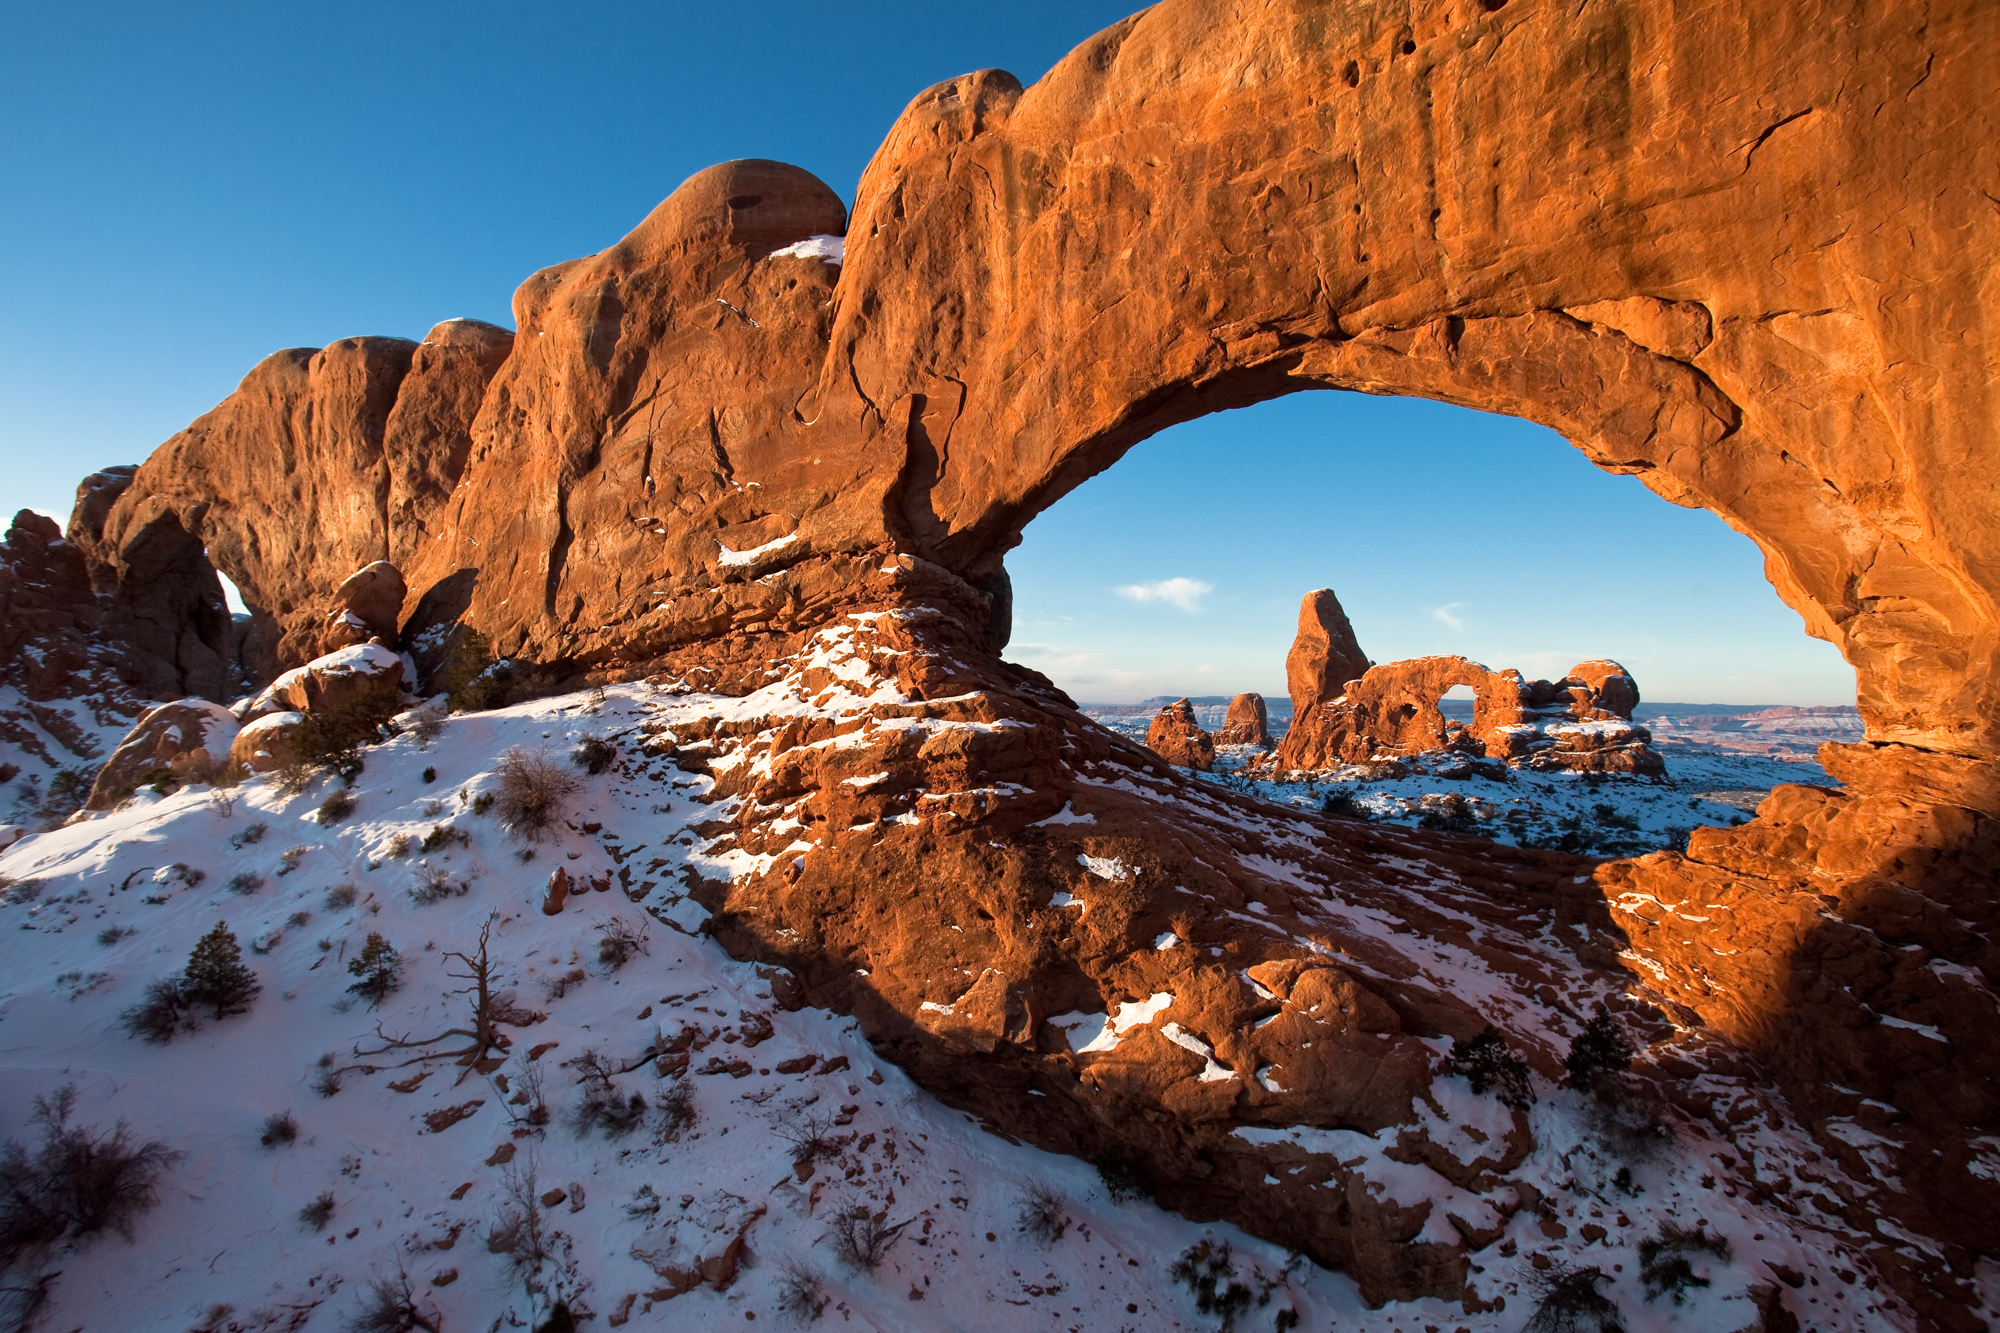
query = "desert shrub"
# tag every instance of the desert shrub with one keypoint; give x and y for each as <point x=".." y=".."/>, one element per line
<point x="1043" y="1213"/>
<point x="1488" y="1062"/>
<point x="435" y="884"/>
<point x="1115" y="1172"/>
<point x="619" y="943"/>
<point x="676" y="1112"/>
<point x="594" y="754"/>
<point x="299" y="918"/>
<point x="861" y="1239"/>
<point x="602" y="1105"/>
<point x="280" y="1130"/>
<point x="398" y="845"/>
<point x="1664" y="1260"/>
<point x="801" y="1290"/>
<point x="1629" y="1117"/>
<point x="67" y="791"/>
<point x="332" y="737"/>
<point x="110" y="935"/>
<point x="245" y="837"/>
<point x="315" y="1215"/>
<point x="289" y="859"/>
<point x="425" y="724"/>
<point x="215" y="974"/>
<point x="378" y="969"/>
<point x="1340" y="804"/>
<point x="1208" y="1272"/>
<point x="77" y="1182"/>
<point x="326" y="1076"/>
<point x="470" y="678"/>
<point x="810" y="1132"/>
<point x="1452" y="813"/>
<point x="245" y="882"/>
<point x="390" y="1305"/>
<point x="1598" y="1050"/>
<point x="1570" y="1302"/>
<point x="341" y="896"/>
<point x="335" y="808"/>
<point x="159" y="1015"/>
<point x="519" y="1233"/>
<point x="292" y="777"/>
<point x="557" y="987"/>
<point x="533" y="787"/>
<point x="444" y="835"/>
<point x="15" y="892"/>
<point x="430" y="775"/>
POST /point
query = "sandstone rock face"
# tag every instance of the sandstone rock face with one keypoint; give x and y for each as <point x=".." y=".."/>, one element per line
<point x="1655" y="229"/>
<point x="52" y="652"/>
<point x="190" y="738"/>
<point x="1582" y="722"/>
<point x="1246" y="722"/>
<point x="1324" y="655"/>
<point x="1177" y="737"/>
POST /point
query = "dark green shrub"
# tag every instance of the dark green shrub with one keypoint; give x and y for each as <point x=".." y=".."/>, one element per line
<point x="594" y="754"/>
<point x="1452" y="814"/>
<point x="1120" y="1181"/>
<point x="1571" y="1303"/>
<point x="1598" y="1050"/>
<point x="1340" y="804"/>
<point x="470" y="678"/>
<point x="216" y="975"/>
<point x="1207" y="1270"/>
<point x="1488" y="1062"/>
<point x="1664" y="1260"/>
<point x="379" y="969"/>
<point x="335" y="808"/>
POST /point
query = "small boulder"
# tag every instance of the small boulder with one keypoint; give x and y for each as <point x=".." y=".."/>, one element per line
<point x="369" y="604"/>
<point x="364" y="675"/>
<point x="266" y="743"/>
<point x="558" y="893"/>
<point x="191" y="738"/>
<point x="1177" y="737"/>
<point x="1246" y="723"/>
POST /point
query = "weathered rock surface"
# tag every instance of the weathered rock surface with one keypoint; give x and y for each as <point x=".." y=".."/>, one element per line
<point x="369" y="603"/>
<point x="265" y="742"/>
<point x="364" y="678"/>
<point x="1325" y="654"/>
<point x="1178" y="738"/>
<point x="1246" y="723"/>
<point x="190" y="738"/>
<point x="1656" y="230"/>
<point x="1582" y="722"/>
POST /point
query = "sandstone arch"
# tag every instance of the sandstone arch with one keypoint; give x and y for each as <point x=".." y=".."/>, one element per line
<point x="1741" y="252"/>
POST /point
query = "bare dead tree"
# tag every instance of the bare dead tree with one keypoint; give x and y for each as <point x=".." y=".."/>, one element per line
<point x="482" y="1036"/>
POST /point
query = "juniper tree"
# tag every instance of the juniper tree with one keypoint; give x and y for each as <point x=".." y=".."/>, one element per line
<point x="216" y="975"/>
<point x="1598" y="1050"/>
<point x="378" y="968"/>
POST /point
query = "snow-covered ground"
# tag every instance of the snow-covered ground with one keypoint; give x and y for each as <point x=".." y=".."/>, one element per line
<point x="419" y="1164"/>
<point x="1608" y="814"/>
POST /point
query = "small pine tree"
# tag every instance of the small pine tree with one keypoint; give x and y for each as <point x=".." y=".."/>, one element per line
<point x="378" y="968"/>
<point x="216" y="974"/>
<point x="1599" y="1049"/>
<point x="1488" y="1062"/>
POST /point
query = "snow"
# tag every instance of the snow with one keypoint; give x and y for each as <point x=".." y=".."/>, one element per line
<point x="730" y="559"/>
<point x="226" y="1229"/>
<point x="1104" y="867"/>
<point x="833" y="249"/>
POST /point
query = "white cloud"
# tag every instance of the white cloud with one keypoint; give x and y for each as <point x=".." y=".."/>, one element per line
<point x="1205" y="669"/>
<point x="1444" y="613"/>
<point x="1183" y="593"/>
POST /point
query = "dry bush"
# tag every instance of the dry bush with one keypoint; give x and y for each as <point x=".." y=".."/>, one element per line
<point x="281" y="1129"/>
<point x="801" y="1290"/>
<point x="341" y="896"/>
<point x="335" y="808"/>
<point x="159" y="1015"/>
<point x="619" y="942"/>
<point x="809" y="1132"/>
<point x="519" y="1232"/>
<point x="315" y="1215"/>
<point x="594" y="754"/>
<point x="1044" y="1213"/>
<point x="861" y="1239"/>
<point x="677" y="1114"/>
<point x="533" y="787"/>
<point x="1570" y="1302"/>
<point x="247" y="836"/>
<point x="390" y="1305"/>
<point x="398" y="845"/>
<point x="77" y="1183"/>
<point x="245" y="882"/>
<point x="435" y="884"/>
<point x="602" y="1105"/>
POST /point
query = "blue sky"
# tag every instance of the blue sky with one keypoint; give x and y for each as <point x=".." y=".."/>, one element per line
<point x="188" y="188"/>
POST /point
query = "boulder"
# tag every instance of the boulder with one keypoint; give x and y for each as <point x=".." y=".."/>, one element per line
<point x="1325" y="654"/>
<point x="1246" y="723"/>
<point x="266" y="743"/>
<point x="368" y="604"/>
<point x="191" y="738"/>
<point x="365" y="676"/>
<point x="1177" y="737"/>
